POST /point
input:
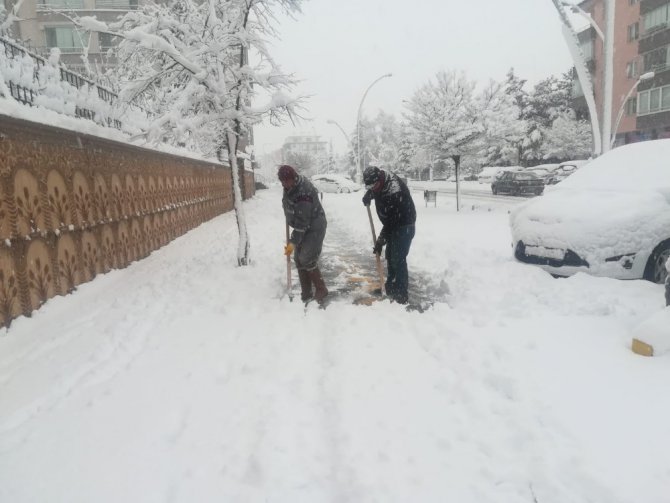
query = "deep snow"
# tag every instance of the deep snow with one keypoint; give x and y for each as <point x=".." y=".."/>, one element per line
<point x="185" y="378"/>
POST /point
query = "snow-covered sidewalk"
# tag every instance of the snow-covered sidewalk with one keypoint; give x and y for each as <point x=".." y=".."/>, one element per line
<point x="184" y="378"/>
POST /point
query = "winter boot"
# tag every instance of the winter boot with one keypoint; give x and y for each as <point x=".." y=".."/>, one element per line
<point x="320" y="291"/>
<point x="305" y="285"/>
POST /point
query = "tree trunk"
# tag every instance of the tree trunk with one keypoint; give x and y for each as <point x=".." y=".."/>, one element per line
<point x="243" y="246"/>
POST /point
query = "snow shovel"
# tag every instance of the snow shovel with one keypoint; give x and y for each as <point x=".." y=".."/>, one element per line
<point x="380" y="270"/>
<point x="288" y="269"/>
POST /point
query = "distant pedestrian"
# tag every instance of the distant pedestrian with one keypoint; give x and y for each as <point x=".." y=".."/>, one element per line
<point x="396" y="211"/>
<point x="306" y="216"/>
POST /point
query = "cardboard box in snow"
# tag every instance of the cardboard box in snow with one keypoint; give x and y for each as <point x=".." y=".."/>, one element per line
<point x="652" y="337"/>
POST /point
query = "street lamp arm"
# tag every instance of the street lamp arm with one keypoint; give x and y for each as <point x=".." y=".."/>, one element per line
<point x="358" y="126"/>
<point x="346" y="136"/>
<point x="578" y="10"/>
<point x="644" y="76"/>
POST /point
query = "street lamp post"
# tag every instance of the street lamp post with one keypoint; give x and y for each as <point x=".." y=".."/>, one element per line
<point x="643" y="77"/>
<point x="344" y="133"/>
<point x="358" y="128"/>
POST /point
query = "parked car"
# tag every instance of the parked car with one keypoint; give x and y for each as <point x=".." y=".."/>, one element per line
<point x="517" y="183"/>
<point x="335" y="183"/>
<point x="564" y="170"/>
<point x="488" y="173"/>
<point x="609" y="218"/>
<point x="544" y="171"/>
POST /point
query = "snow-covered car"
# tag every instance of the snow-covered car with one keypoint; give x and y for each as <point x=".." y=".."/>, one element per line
<point x="610" y="218"/>
<point x="544" y="171"/>
<point x="335" y="183"/>
<point x="564" y="170"/>
<point x="488" y="173"/>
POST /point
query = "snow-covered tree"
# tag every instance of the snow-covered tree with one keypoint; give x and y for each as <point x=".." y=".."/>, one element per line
<point x="509" y="152"/>
<point x="449" y="116"/>
<point x="568" y="138"/>
<point x="549" y="99"/>
<point x="189" y="63"/>
<point x="379" y="138"/>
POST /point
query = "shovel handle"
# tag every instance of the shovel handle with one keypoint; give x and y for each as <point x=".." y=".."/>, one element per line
<point x="288" y="269"/>
<point x="380" y="270"/>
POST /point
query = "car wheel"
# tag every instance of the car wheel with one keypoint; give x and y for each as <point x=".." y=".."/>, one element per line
<point x="655" y="270"/>
<point x="346" y="190"/>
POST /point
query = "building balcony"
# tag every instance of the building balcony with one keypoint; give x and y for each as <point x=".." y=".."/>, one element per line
<point x="657" y="37"/>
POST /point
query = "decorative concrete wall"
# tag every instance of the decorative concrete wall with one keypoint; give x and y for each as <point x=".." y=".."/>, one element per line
<point x="73" y="206"/>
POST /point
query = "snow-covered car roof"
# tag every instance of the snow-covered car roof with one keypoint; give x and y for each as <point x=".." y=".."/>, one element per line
<point x="636" y="166"/>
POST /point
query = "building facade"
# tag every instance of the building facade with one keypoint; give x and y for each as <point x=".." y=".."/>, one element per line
<point x="641" y="45"/>
<point x="307" y="149"/>
<point x="45" y="24"/>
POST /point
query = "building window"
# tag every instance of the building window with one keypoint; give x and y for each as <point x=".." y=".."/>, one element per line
<point x="633" y="31"/>
<point x="631" y="106"/>
<point x="656" y="18"/>
<point x="107" y="41"/>
<point x="587" y="49"/>
<point x="67" y="39"/>
<point x="654" y="100"/>
<point x="632" y="2"/>
<point x="656" y="59"/>
<point x="631" y="69"/>
<point x="60" y="4"/>
<point x="116" y="4"/>
<point x="643" y="103"/>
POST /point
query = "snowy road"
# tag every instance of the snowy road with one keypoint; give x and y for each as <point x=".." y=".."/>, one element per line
<point x="184" y="378"/>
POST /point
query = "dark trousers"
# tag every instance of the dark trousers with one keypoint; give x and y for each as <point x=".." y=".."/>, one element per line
<point x="307" y="253"/>
<point x="398" y="242"/>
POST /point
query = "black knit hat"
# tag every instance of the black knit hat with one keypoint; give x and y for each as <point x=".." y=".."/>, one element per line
<point x="286" y="172"/>
<point x="371" y="175"/>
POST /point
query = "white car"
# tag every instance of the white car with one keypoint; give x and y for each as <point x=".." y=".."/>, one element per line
<point x="609" y="218"/>
<point x="335" y="183"/>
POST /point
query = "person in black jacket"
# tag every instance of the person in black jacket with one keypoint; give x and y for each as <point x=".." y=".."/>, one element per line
<point x="397" y="214"/>
<point x="306" y="216"/>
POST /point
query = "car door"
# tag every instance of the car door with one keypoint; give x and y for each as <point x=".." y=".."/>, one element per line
<point x="504" y="182"/>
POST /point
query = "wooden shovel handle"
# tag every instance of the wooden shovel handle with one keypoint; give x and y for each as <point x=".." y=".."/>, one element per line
<point x="380" y="270"/>
<point x="288" y="267"/>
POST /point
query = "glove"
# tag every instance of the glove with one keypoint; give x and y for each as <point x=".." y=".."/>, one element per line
<point x="379" y="244"/>
<point x="367" y="198"/>
<point x="288" y="249"/>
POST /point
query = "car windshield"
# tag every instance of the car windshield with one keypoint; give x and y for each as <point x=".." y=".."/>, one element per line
<point x="636" y="166"/>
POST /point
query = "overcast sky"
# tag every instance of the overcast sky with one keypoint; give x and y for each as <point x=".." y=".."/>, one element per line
<point x="339" y="47"/>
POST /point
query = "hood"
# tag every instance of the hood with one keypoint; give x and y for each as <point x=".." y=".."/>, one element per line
<point x="592" y="221"/>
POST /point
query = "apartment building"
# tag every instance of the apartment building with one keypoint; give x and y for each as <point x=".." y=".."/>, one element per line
<point x="309" y="146"/>
<point x="641" y="45"/>
<point x="45" y="24"/>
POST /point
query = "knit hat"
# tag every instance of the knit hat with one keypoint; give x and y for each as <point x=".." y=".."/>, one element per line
<point x="286" y="172"/>
<point x="371" y="176"/>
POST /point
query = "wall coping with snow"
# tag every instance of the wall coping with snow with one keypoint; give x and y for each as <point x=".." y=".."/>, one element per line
<point x="73" y="206"/>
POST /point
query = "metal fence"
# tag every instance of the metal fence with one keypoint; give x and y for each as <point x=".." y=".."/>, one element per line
<point x="27" y="96"/>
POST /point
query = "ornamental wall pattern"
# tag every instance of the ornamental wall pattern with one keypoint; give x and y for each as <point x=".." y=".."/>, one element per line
<point x="73" y="206"/>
